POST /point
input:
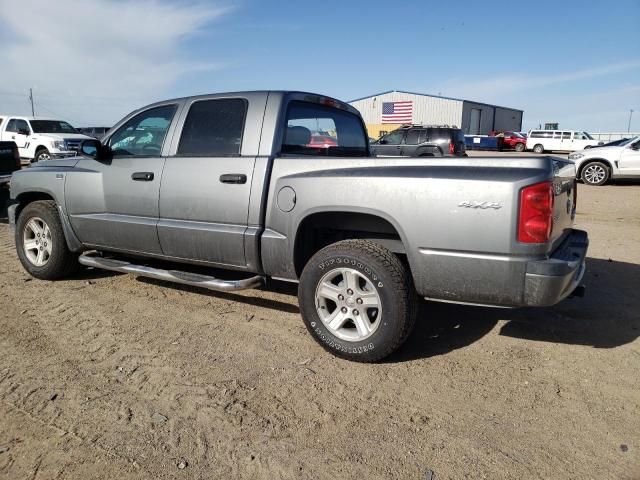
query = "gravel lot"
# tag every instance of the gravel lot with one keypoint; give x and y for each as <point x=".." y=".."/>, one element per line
<point x="109" y="376"/>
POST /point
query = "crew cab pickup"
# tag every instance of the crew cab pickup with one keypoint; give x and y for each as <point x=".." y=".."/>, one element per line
<point x="40" y="139"/>
<point x="232" y="181"/>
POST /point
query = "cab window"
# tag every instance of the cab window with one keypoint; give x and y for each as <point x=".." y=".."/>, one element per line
<point x="315" y="129"/>
<point x="214" y="127"/>
<point x="393" y="138"/>
<point x="144" y="134"/>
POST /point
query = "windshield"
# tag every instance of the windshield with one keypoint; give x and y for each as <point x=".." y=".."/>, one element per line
<point x="628" y="141"/>
<point x="517" y="135"/>
<point x="589" y="137"/>
<point x="52" y="126"/>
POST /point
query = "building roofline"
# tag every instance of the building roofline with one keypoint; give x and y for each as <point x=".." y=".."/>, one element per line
<point x="434" y="96"/>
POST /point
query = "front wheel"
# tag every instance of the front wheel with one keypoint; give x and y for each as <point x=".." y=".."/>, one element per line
<point x="42" y="155"/>
<point x="40" y="242"/>
<point x="520" y="147"/>
<point x="595" y="173"/>
<point x="538" y="148"/>
<point x="357" y="300"/>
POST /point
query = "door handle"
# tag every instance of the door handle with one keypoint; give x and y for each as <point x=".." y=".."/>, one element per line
<point x="142" y="176"/>
<point x="237" y="178"/>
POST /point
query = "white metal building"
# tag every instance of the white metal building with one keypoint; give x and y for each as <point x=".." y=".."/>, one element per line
<point x="475" y="118"/>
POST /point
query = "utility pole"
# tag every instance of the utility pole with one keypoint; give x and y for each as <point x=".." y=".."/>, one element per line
<point x="33" y="112"/>
<point x="629" y="124"/>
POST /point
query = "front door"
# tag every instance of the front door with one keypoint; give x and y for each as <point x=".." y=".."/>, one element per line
<point x="630" y="159"/>
<point x="390" y="145"/>
<point x="18" y="131"/>
<point x="114" y="204"/>
<point x="206" y="185"/>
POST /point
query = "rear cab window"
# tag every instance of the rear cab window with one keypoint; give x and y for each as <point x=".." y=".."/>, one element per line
<point x="314" y="129"/>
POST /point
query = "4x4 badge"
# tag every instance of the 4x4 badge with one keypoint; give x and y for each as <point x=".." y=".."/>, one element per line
<point x="482" y="205"/>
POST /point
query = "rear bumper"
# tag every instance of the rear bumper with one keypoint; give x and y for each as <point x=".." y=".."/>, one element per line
<point x="550" y="281"/>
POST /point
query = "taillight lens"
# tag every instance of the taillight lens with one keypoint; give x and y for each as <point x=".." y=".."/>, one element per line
<point x="17" y="159"/>
<point x="536" y="213"/>
<point x="452" y="148"/>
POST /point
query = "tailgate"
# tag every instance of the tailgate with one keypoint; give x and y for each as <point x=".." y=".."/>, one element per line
<point x="565" y="195"/>
<point x="9" y="158"/>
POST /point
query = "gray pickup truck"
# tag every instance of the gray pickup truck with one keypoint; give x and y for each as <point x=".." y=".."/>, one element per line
<point x="238" y="181"/>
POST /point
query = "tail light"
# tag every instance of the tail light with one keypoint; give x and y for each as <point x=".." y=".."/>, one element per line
<point x="452" y="148"/>
<point x="536" y="213"/>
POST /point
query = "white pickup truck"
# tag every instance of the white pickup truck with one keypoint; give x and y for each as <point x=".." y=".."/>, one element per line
<point x="40" y="139"/>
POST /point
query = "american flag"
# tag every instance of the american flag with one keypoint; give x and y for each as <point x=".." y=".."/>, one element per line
<point x="397" y="112"/>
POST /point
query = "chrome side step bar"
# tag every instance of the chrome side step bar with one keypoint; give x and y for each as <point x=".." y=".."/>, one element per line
<point x="176" y="276"/>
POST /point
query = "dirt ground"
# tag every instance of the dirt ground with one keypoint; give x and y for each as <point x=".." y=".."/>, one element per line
<point x="107" y="376"/>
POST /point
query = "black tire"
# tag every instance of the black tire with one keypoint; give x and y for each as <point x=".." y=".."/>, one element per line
<point x="61" y="261"/>
<point x="595" y="174"/>
<point x="378" y="269"/>
<point x="538" y="148"/>
<point x="42" y="154"/>
<point x="520" y="147"/>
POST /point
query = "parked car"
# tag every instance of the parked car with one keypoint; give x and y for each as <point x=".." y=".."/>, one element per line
<point x="40" y="139"/>
<point x="596" y="166"/>
<point x="229" y="181"/>
<point x="512" y="140"/>
<point x="95" y="132"/>
<point x="421" y="141"/>
<point x="322" y="141"/>
<point x="9" y="161"/>
<point x="613" y="143"/>
<point x="541" y="141"/>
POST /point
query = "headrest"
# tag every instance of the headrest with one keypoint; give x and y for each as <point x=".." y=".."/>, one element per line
<point x="297" y="136"/>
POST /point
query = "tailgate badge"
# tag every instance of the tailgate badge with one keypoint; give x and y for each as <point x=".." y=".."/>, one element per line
<point x="481" y="205"/>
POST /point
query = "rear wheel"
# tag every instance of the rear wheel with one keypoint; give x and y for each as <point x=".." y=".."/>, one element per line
<point x="538" y="148"/>
<point x="519" y="147"/>
<point x="357" y="300"/>
<point x="595" y="173"/>
<point x="40" y="242"/>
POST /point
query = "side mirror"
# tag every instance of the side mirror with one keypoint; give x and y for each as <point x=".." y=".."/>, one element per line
<point x="382" y="141"/>
<point x="635" y="146"/>
<point x="24" y="131"/>
<point x="94" y="149"/>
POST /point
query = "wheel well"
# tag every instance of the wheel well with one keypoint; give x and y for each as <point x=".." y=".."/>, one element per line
<point x="40" y="147"/>
<point x="321" y="229"/>
<point x="26" y="198"/>
<point x="591" y="160"/>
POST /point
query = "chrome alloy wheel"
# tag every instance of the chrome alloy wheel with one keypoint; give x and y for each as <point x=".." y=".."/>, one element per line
<point x="348" y="304"/>
<point x="36" y="241"/>
<point x="595" y="173"/>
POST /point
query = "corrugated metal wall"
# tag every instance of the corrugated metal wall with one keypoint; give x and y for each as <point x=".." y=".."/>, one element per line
<point x="491" y="118"/>
<point x="508" y="119"/>
<point x="426" y="109"/>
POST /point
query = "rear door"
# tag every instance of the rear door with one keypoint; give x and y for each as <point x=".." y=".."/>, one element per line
<point x="114" y="204"/>
<point x="206" y="186"/>
<point x="414" y="137"/>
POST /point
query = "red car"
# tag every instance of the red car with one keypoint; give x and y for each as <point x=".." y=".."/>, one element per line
<point x="512" y="140"/>
<point x="322" y="141"/>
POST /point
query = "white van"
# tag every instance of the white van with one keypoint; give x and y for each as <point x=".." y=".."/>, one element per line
<point x="561" y="140"/>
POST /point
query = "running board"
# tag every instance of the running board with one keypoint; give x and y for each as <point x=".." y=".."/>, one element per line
<point x="176" y="276"/>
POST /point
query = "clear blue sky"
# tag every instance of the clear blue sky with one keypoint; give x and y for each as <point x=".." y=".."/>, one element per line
<point x="568" y="62"/>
